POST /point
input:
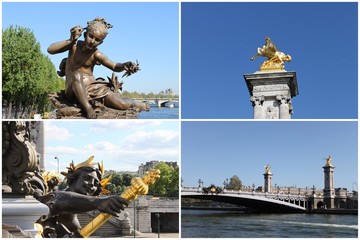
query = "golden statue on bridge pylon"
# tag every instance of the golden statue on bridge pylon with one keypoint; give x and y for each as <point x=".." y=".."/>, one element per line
<point x="328" y="161"/>
<point x="267" y="169"/>
<point x="276" y="58"/>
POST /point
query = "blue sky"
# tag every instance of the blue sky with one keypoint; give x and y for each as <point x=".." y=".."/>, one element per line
<point x="218" y="40"/>
<point x="216" y="150"/>
<point x="147" y="32"/>
<point x="122" y="145"/>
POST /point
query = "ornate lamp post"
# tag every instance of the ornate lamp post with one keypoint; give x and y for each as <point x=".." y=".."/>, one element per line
<point x="353" y="184"/>
<point x="158" y="222"/>
<point x="200" y="183"/>
<point x="58" y="166"/>
<point x="226" y="183"/>
<point x="134" y="219"/>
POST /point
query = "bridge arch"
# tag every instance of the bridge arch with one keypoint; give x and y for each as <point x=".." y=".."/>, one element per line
<point x="320" y="204"/>
<point x="259" y="203"/>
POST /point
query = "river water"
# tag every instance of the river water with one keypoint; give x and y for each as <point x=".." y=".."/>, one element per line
<point x="160" y="113"/>
<point x="222" y="224"/>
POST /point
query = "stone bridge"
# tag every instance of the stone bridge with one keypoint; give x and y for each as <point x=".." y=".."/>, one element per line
<point x="261" y="202"/>
<point x="160" y="102"/>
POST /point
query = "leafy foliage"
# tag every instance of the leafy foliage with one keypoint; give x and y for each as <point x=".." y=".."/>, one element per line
<point x="234" y="184"/>
<point x="147" y="95"/>
<point x="28" y="76"/>
<point x="118" y="182"/>
<point x="168" y="184"/>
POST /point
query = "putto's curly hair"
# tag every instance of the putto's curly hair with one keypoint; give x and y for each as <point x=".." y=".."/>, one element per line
<point x="99" y="24"/>
<point x="72" y="176"/>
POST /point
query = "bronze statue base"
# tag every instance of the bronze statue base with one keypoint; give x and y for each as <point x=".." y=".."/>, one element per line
<point x="68" y="110"/>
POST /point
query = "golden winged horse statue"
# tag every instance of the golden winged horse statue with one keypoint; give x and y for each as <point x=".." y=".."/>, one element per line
<point x="276" y="58"/>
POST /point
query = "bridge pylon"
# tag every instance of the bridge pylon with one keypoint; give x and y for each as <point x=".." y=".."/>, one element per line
<point x="267" y="180"/>
<point x="271" y="93"/>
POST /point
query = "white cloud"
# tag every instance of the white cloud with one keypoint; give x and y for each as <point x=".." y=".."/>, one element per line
<point x="101" y="147"/>
<point x="103" y="126"/>
<point x="56" y="133"/>
<point x="120" y="155"/>
<point x="61" y="150"/>
<point x="155" y="139"/>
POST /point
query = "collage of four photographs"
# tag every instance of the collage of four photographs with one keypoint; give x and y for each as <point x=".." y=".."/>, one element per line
<point x="180" y="119"/>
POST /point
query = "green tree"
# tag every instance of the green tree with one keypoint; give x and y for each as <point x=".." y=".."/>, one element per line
<point x="127" y="177"/>
<point x="118" y="182"/>
<point x="111" y="187"/>
<point x="168" y="184"/>
<point x="146" y="95"/>
<point x="235" y="183"/>
<point x="27" y="74"/>
<point x="116" y="179"/>
<point x="174" y="186"/>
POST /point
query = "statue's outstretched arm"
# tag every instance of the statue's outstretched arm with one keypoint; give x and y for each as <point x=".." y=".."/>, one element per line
<point x="71" y="203"/>
<point x="116" y="67"/>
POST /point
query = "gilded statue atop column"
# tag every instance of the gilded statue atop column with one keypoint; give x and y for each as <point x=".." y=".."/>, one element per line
<point x="267" y="169"/>
<point x="328" y="161"/>
<point x="276" y="58"/>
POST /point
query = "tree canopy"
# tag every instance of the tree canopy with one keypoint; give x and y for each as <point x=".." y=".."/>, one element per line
<point x="168" y="184"/>
<point x="234" y="184"/>
<point x="28" y="75"/>
<point x="135" y="94"/>
<point x="118" y="182"/>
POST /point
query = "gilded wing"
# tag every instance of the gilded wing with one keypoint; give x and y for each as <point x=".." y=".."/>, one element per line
<point x="271" y="45"/>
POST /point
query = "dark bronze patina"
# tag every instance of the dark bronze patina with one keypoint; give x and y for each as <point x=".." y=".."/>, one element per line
<point x="81" y="87"/>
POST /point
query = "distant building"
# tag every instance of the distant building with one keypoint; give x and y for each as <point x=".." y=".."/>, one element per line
<point x="143" y="168"/>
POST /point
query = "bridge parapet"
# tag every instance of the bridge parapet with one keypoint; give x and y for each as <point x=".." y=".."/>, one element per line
<point x="277" y="196"/>
<point x="267" y="202"/>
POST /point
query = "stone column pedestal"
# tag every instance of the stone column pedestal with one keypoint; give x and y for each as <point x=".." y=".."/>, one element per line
<point x="143" y="215"/>
<point x="271" y="93"/>
<point x="23" y="212"/>
<point x="268" y="182"/>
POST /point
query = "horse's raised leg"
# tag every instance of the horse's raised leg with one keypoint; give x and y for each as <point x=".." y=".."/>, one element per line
<point x="254" y="57"/>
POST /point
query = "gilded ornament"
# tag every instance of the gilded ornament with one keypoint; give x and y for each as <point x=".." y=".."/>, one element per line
<point x="276" y="58"/>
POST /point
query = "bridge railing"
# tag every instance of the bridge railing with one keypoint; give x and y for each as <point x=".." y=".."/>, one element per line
<point x="280" y="196"/>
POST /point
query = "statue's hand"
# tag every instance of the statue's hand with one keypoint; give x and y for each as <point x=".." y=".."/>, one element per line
<point x="131" y="68"/>
<point x="75" y="33"/>
<point x="38" y="193"/>
<point x="112" y="205"/>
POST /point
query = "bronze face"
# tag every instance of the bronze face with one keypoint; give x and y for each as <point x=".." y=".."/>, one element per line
<point x="93" y="38"/>
<point x="86" y="184"/>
